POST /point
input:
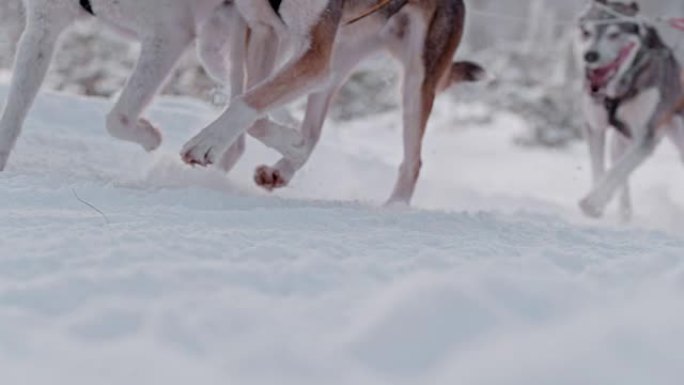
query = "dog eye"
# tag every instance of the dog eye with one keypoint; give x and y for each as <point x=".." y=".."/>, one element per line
<point x="614" y="36"/>
<point x="586" y="34"/>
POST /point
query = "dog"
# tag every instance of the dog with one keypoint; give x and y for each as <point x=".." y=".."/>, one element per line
<point x="328" y="40"/>
<point x="164" y="27"/>
<point x="632" y="83"/>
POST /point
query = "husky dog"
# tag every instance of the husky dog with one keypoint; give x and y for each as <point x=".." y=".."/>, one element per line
<point x="165" y="28"/>
<point x="632" y="83"/>
<point x="422" y="34"/>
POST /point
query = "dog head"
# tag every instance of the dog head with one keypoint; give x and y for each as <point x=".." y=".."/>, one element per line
<point x="609" y="36"/>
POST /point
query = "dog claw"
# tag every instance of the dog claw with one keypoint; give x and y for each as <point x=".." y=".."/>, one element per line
<point x="196" y="155"/>
<point x="269" y="178"/>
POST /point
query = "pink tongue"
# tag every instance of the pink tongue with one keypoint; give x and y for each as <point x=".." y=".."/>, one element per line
<point x="600" y="77"/>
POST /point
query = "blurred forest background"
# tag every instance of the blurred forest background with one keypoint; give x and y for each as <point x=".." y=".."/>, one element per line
<point x="526" y="45"/>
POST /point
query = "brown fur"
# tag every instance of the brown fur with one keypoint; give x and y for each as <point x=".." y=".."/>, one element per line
<point x="311" y="65"/>
<point x="422" y="34"/>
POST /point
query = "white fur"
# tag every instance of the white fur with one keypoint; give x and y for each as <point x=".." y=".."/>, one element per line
<point x="165" y="29"/>
<point x="403" y="36"/>
<point x="612" y="88"/>
<point x="595" y="134"/>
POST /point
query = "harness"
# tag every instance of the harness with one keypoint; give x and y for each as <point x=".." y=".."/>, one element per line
<point x="612" y="106"/>
<point x="628" y="87"/>
<point x="85" y="4"/>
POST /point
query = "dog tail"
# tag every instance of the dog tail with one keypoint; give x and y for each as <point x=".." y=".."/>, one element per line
<point x="462" y="72"/>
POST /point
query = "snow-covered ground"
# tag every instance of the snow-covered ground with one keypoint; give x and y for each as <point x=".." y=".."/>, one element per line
<point x="194" y="277"/>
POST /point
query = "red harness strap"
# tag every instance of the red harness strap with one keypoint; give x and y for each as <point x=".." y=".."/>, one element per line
<point x="677" y="23"/>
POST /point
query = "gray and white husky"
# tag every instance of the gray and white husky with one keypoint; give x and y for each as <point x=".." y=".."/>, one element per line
<point x="632" y="84"/>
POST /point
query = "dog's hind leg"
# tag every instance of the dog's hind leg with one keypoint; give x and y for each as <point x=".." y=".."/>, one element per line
<point x="218" y="36"/>
<point x="46" y="21"/>
<point x="159" y="54"/>
<point x="619" y="147"/>
<point x="428" y="49"/>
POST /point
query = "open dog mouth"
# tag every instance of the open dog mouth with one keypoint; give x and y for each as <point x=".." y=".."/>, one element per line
<point x="598" y="78"/>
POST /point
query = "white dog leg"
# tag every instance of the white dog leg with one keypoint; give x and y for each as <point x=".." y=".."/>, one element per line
<point x="596" y="140"/>
<point x="414" y="131"/>
<point x="214" y="49"/>
<point x="619" y="148"/>
<point x="676" y="135"/>
<point x="45" y="23"/>
<point x="299" y="77"/>
<point x="641" y="149"/>
<point x="346" y="58"/>
<point x="419" y="91"/>
<point x="284" y="170"/>
<point x="639" y="114"/>
<point x="158" y="57"/>
<point x="261" y="60"/>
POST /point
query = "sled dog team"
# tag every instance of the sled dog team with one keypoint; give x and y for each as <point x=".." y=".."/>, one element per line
<point x="632" y="79"/>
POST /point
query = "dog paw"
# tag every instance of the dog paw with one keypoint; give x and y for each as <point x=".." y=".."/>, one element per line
<point x="626" y="216"/>
<point x="397" y="204"/>
<point x="270" y="178"/>
<point x="150" y="136"/>
<point x="204" y="149"/>
<point x="143" y="132"/>
<point x="590" y="208"/>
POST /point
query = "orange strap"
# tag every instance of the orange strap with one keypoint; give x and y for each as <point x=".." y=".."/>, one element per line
<point x="369" y="12"/>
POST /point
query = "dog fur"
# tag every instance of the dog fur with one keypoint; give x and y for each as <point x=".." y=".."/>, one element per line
<point x="632" y="84"/>
<point x="164" y="27"/>
<point x="423" y="35"/>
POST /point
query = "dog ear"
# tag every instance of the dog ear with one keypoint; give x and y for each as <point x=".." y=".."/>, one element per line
<point x="651" y="38"/>
<point x="634" y="7"/>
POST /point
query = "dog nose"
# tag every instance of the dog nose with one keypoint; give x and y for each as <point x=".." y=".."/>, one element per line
<point x="592" y="57"/>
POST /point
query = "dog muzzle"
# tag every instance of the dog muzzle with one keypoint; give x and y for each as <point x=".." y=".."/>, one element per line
<point x="598" y="78"/>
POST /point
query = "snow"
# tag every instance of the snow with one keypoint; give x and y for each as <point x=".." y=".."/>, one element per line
<point x="189" y="276"/>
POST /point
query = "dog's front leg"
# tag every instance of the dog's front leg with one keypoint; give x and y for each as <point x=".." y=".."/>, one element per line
<point x="282" y="172"/>
<point x="640" y="150"/>
<point x="44" y="25"/>
<point x="596" y="141"/>
<point x="346" y="58"/>
<point x="297" y="78"/>
<point x="158" y="56"/>
<point x="619" y="147"/>
<point x="595" y="129"/>
<point x="261" y="59"/>
<point x="642" y="115"/>
<point x="237" y="87"/>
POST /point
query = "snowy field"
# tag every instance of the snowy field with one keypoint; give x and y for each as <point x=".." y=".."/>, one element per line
<point x="192" y="277"/>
